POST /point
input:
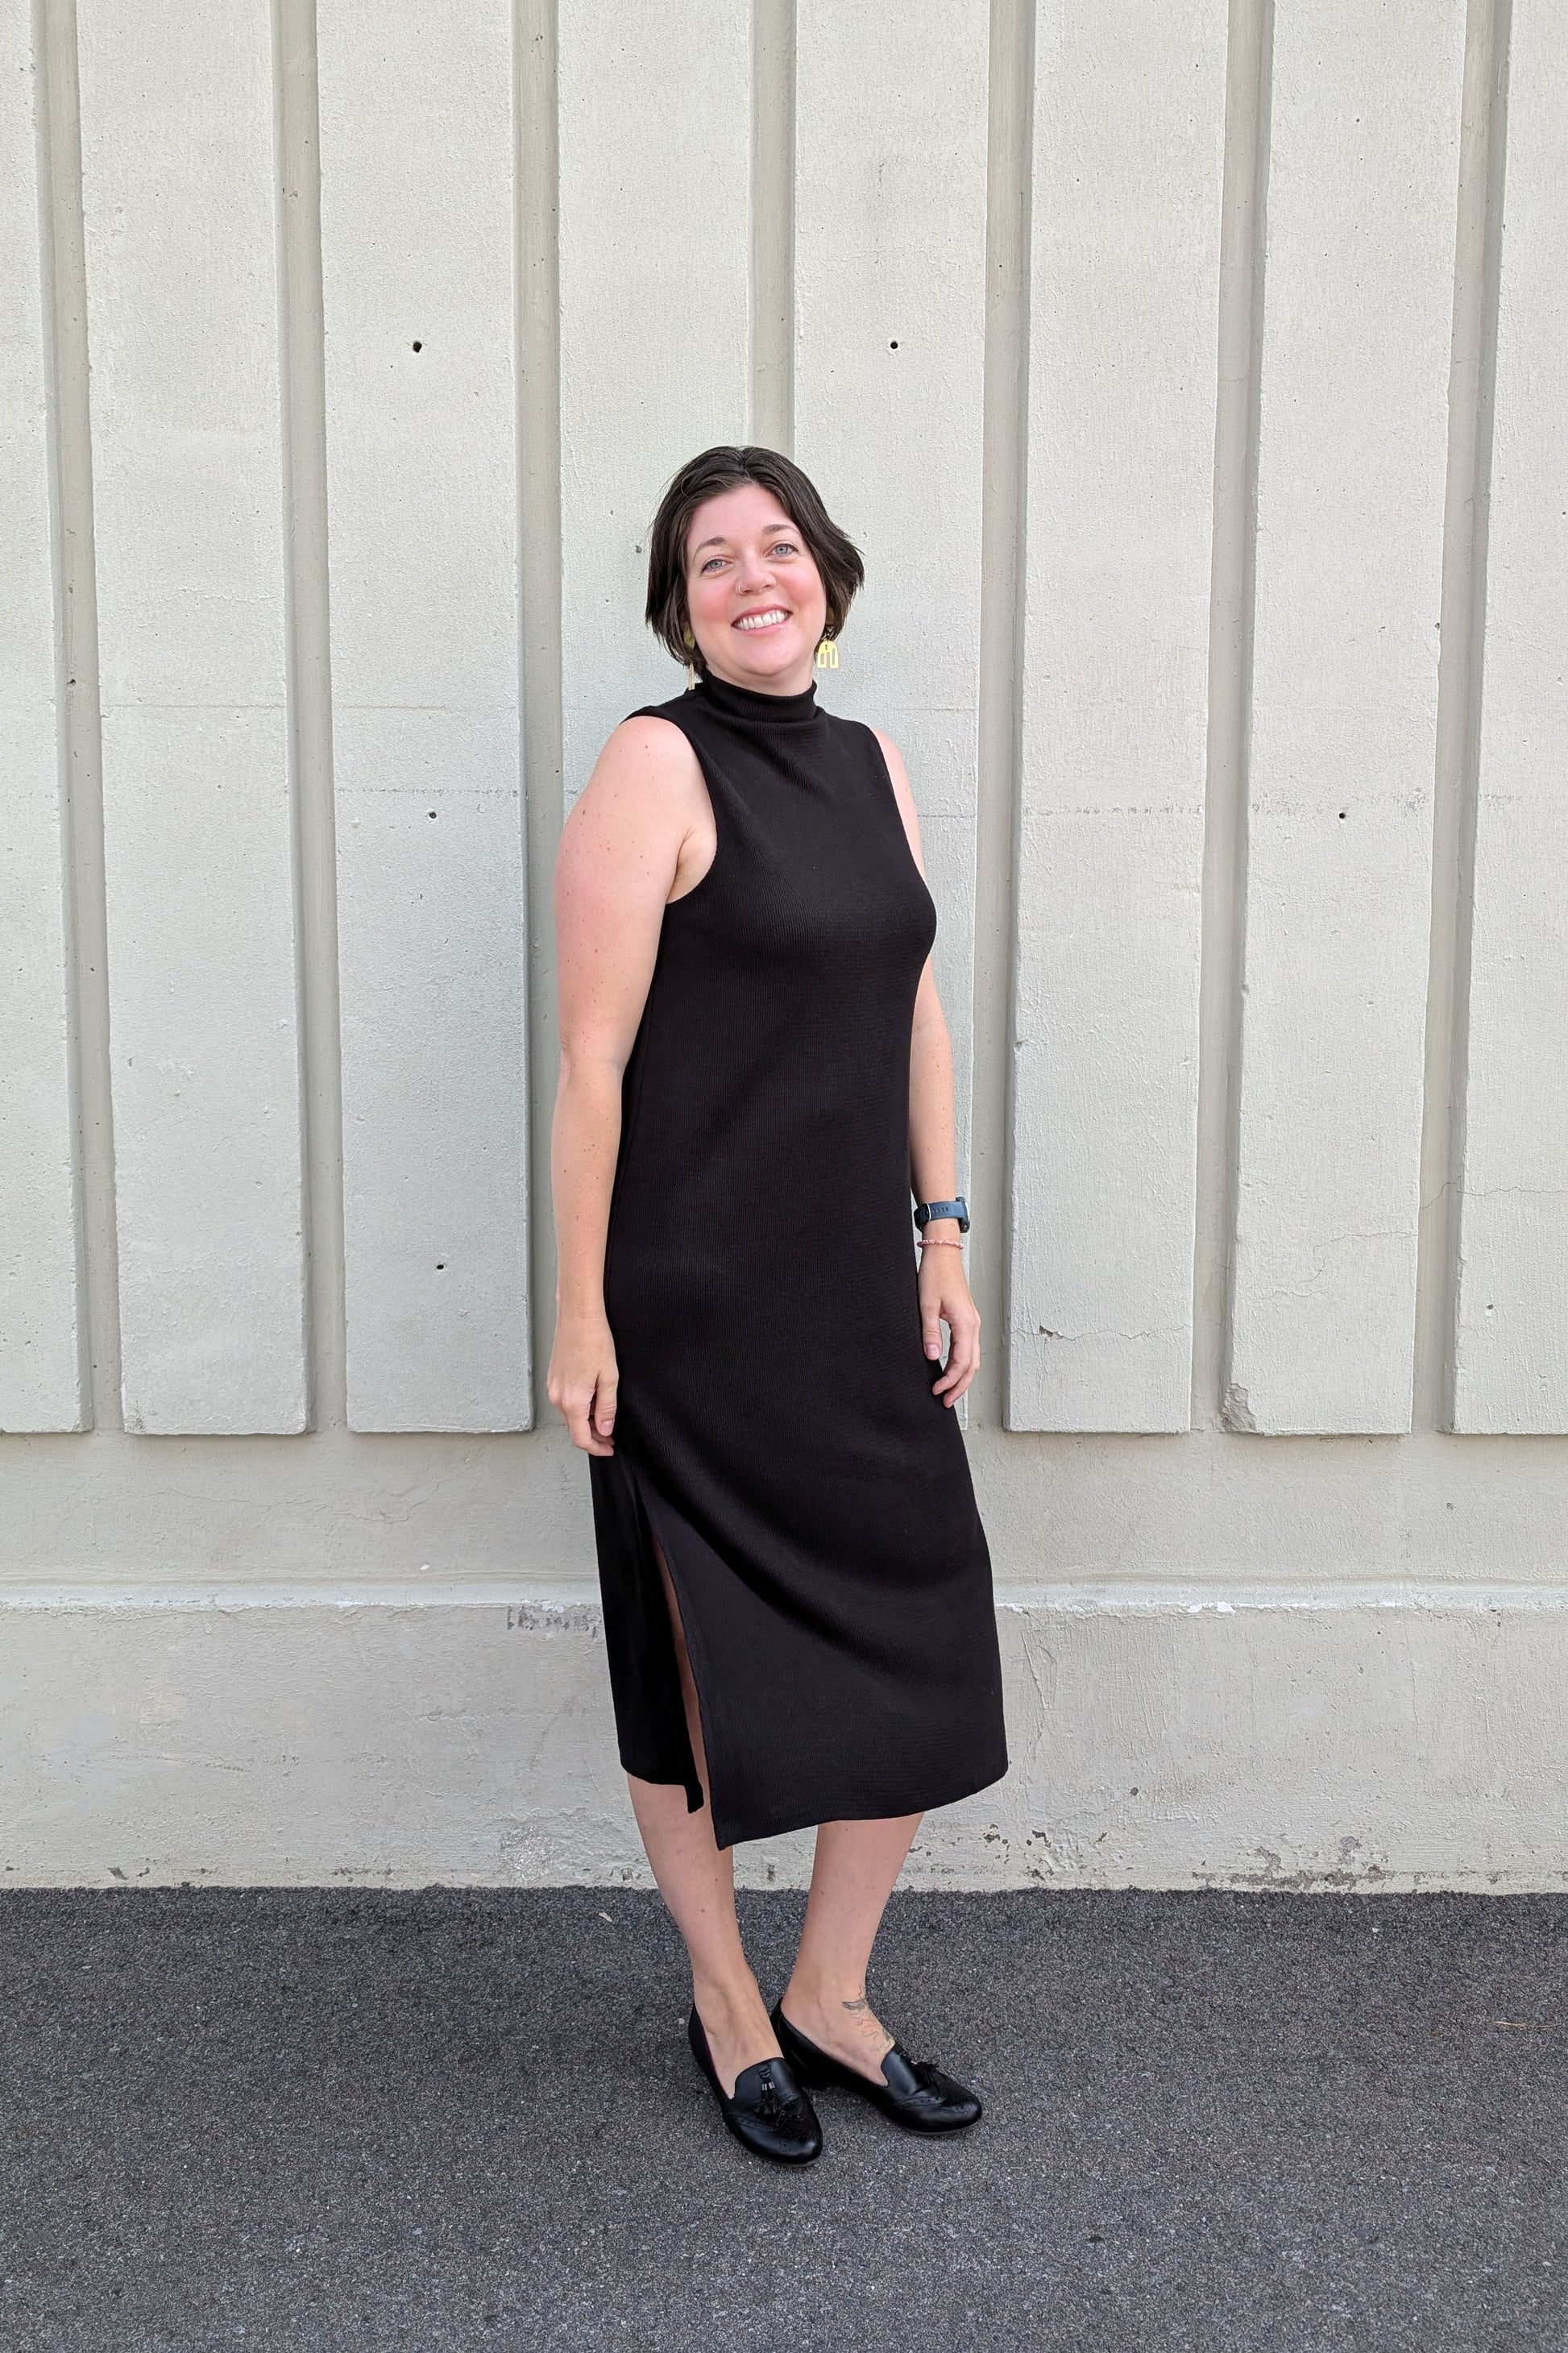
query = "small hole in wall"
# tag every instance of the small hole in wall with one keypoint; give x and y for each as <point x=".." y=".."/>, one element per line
<point x="418" y="347"/>
<point x="894" y="344"/>
<point x="432" y="812"/>
<point x="1341" y="813"/>
<point x="440" y="1266"/>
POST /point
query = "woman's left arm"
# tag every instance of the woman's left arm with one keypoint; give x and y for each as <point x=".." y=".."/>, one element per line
<point x="933" y="1173"/>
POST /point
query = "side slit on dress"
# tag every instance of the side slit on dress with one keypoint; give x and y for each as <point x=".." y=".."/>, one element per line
<point x="664" y="1740"/>
<point x="690" y="1697"/>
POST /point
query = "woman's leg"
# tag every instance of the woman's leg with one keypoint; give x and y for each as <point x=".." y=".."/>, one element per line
<point x="697" y="1881"/>
<point x="851" y="1879"/>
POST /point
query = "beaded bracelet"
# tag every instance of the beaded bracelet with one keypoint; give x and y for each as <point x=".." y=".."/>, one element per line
<point x="940" y="1242"/>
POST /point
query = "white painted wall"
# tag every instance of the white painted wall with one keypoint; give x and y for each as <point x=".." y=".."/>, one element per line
<point x="1357" y="305"/>
<point x="420" y="335"/>
<point x="179" y="195"/>
<point x="41" y="1372"/>
<point x="1148" y="392"/>
<point x="1129" y="153"/>
<point x="1511" y="1344"/>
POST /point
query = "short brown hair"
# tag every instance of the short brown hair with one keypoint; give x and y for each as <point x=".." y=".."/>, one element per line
<point x="836" y="556"/>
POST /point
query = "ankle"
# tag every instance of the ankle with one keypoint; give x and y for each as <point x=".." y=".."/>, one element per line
<point x="825" y="1998"/>
<point x="724" y="2000"/>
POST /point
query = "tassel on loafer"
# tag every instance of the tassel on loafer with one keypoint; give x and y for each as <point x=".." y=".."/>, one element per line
<point x="769" y="2112"/>
<point x="913" y="2092"/>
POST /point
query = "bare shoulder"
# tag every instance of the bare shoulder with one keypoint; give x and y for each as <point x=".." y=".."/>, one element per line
<point x="642" y="752"/>
<point x="631" y="822"/>
<point x="903" y="793"/>
<point x="645" y="779"/>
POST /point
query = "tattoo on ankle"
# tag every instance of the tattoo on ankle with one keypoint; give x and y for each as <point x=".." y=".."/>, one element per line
<point x="860" y="2004"/>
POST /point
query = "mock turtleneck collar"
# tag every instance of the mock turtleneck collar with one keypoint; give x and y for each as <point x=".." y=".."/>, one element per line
<point x="749" y="702"/>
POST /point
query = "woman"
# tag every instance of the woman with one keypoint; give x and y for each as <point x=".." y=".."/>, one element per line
<point x="754" y="1073"/>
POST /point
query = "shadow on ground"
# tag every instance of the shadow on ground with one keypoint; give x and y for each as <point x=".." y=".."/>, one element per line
<point x="356" y="2121"/>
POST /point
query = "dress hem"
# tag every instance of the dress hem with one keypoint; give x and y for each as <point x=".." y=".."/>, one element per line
<point x="791" y="1820"/>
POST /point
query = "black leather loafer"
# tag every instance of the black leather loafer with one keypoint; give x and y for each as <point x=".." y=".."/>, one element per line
<point x="913" y="2092"/>
<point x="768" y="2111"/>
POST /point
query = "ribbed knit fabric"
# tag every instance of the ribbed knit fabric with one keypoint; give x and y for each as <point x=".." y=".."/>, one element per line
<point x="776" y="1425"/>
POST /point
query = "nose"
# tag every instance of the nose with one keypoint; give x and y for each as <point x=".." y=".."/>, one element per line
<point x="752" y="573"/>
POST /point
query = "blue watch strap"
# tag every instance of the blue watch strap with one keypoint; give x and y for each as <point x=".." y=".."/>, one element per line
<point x="926" y="1210"/>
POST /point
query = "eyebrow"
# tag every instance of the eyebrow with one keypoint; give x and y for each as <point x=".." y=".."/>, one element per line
<point x="720" y="541"/>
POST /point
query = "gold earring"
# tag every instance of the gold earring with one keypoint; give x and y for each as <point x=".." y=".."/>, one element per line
<point x="690" y="668"/>
<point x="828" y="655"/>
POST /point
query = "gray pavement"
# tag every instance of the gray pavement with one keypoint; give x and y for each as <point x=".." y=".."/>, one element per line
<point x="450" y="2119"/>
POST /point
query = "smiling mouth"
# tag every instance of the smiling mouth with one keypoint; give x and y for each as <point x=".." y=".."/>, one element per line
<point x="755" y="623"/>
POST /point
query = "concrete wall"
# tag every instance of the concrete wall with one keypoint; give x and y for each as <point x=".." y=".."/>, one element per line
<point x="1193" y="380"/>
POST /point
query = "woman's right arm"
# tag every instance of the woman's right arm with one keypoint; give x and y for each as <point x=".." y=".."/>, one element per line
<point x="620" y="848"/>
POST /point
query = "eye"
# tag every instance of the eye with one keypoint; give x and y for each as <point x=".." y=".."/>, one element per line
<point x="787" y="543"/>
<point x="711" y="560"/>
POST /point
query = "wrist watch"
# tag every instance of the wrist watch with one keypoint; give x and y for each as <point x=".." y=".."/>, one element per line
<point x="926" y="1210"/>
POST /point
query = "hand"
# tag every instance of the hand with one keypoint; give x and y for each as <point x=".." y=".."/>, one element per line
<point x="944" y="1298"/>
<point x="582" y="1380"/>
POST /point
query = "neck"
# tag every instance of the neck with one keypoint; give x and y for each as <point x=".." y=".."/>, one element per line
<point x="796" y="680"/>
<point x="767" y="706"/>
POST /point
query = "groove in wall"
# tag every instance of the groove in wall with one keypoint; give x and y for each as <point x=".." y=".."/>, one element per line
<point x="302" y="373"/>
<point x="1243" y="252"/>
<point x="80" y="728"/>
<point x="999" y="798"/>
<point x="49" y="309"/>
<point x="773" y="224"/>
<point x="537" y="312"/>
<point x="1457" y="784"/>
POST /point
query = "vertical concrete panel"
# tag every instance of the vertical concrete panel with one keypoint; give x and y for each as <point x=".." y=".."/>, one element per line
<point x="417" y="153"/>
<point x="889" y="357"/>
<point x="1358" y="295"/>
<point x="40" y="1341"/>
<point x="1129" y="133"/>
<point x="656" y="161"/>
<point x="1511" y="1370"/>
<point x="180" y="192"/>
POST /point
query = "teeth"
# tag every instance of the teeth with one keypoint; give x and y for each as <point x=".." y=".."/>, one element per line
<point x="758" y="620"/>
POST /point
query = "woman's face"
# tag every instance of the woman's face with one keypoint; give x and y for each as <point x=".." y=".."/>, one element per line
<point x="754" y="594"/>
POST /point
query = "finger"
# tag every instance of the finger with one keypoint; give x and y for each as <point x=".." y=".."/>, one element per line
<point x="931" y="1330"/>
<point x="962" y="1361"/>
<point x="579" y="1422"/>
<point x="603" y="1414"/>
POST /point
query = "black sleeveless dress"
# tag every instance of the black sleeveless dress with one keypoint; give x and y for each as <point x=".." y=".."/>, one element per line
<point x="776" y="1427"/>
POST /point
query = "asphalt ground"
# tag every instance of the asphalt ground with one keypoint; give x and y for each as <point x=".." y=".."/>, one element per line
<point x="345" y="2120"/>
